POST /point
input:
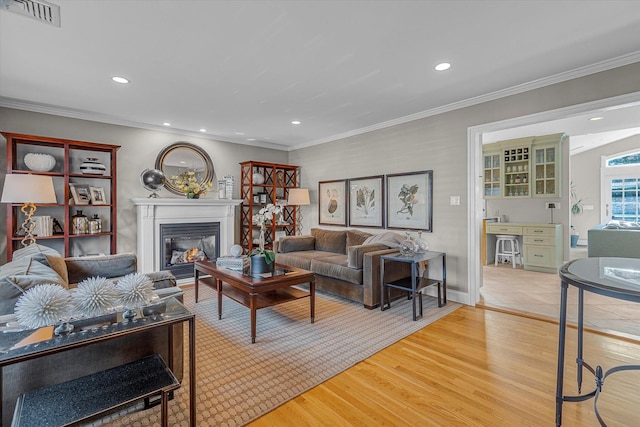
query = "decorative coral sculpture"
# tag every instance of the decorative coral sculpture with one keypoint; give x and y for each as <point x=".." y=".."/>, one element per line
<point x="135" y="290"/>
<point x="43" y="305"/>
<point x="95" y="296"/>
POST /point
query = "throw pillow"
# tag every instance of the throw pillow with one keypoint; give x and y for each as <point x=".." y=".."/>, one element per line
<point x="35" y="249"/>
<point x="330" y="240"/>
<point x="356" y="237"/>
<point x="296" y="244"/>
<point x="45" y="255"/>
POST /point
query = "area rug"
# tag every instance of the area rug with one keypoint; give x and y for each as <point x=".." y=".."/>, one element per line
<point x="238" y="382"/>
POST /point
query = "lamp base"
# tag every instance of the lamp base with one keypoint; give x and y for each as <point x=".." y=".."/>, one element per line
<point x="29" y="225"/>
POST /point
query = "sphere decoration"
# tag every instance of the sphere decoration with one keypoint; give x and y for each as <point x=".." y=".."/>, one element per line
<point x="152" y="180"/>
<point x="43" y="305"/>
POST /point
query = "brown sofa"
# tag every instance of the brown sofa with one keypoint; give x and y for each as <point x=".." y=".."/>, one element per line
<point x="343" y="263"/>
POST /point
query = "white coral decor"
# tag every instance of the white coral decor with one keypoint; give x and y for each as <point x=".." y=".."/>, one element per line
<point x="43" y="305"/>
<point x="95" y="296"/>
<point x="135" y="290"/>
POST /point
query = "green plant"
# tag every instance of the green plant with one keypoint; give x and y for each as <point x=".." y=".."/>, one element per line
<point x="577" y="204"/>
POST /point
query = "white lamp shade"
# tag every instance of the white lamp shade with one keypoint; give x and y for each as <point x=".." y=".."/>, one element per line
<point x="298" y="197"/>
<point x="19" y="188"/>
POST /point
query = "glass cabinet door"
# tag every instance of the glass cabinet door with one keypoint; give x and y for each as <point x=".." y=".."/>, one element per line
<point x="491" y="175"/>
<point x="546" y="171"/>
<point x="516" y="172"/>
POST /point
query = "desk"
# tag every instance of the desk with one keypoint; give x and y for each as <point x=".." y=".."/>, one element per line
<point x="613" y="277"/>
<point x="418" y="280"/>
<point x="104" y="329"/>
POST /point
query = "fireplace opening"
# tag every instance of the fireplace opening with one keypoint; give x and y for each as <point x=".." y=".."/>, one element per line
<point x="183" y="244"/>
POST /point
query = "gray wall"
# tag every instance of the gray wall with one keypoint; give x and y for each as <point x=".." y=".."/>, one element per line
<point x="438" y="142"/>
<point x="139" y="149"/>
<point x="586" y="173"/>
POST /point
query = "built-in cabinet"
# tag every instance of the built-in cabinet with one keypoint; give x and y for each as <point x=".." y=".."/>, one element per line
<point x="263" y="183"/>
<point x="71" y="167"/>
<point x="523" y="168"/>
<point x="542" y="248"/>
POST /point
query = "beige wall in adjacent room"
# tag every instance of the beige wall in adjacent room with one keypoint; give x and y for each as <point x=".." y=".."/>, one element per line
<point x="139" y="149"/>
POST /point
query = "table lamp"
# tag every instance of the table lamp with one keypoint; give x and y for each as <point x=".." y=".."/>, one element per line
<point x="28" y="190"/>
<point x="299" y="197"/>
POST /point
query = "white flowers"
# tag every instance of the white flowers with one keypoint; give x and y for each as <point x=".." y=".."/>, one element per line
<point x="266" y="214"/>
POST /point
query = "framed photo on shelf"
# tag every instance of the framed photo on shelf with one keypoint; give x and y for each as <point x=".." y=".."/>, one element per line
<point x="366" y="201"/>
<point x="410" y="200"/>
<point x="332" y="203"/>
<point x="81" y="194"/>
<point x="97" y="196"/>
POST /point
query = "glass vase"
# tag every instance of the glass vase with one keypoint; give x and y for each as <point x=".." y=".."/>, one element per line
<point x="408" y="247"/>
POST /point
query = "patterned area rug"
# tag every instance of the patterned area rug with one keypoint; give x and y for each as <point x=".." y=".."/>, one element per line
<point x="239" y="381"/>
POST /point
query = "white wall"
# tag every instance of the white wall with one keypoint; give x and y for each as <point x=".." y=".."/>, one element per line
<point x="585" y="174"/>
<point x="139" y="149"/>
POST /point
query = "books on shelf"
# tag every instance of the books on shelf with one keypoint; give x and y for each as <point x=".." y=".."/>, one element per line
<point x="43" y="226"/>
<point x="233" y="263"/>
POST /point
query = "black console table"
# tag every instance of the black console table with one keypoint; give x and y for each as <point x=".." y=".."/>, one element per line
<point x="22" y="346"/>
<point x="613" y="277"/>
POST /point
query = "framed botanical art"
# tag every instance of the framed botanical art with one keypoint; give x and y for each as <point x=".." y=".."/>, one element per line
<point x="81" y="194"/>
<point x="97" y="196"/>
<point x="332" y="202"/>
<point x="410" y="200"/>
<point x="366" y="201"/>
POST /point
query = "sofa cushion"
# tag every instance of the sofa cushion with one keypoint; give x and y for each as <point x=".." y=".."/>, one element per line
<point x="330" y="240"/>
<point x="336" y="268"/>
<point x="296" y="243"/>
<point x="301" y="259"/>
<point x="355" y="254"/>
<point x="18" y="276"/>
<point x="45" y="255"/>
<point x="356" y="237"/>
<point x="108" y="266"/>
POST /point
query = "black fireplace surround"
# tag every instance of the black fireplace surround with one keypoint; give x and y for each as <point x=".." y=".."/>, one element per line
<point x="184" y="243"/>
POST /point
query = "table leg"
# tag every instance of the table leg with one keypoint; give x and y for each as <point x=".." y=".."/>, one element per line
<point x="253" y="308"/>
<point x="192" y="372"/>
<point x="312" y="298"/>
<point x="561" y="345"/>
<point x="219" y="290"/>
<point x="444" y="279"/>
<point x="413" y="291"/>
<point x="382" y="290"/>
<point x="579" y="359"/>
<point x="196" y="275"/>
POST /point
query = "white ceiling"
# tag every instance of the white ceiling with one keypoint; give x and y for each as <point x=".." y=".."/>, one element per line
<point x="243" y="70"/>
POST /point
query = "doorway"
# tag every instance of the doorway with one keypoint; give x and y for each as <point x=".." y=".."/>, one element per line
<point x="475" y="185"/>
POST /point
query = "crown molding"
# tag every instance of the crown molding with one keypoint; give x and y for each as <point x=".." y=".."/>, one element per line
<point x="513" y="90"/>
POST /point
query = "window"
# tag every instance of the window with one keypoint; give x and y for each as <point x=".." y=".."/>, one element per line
<point x="627" y="159"/>
<point x="625" y="199"/>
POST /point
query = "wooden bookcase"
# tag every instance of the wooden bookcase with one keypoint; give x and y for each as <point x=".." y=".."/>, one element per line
<point x="69" y="156"/>
<point x="277" y="180"/>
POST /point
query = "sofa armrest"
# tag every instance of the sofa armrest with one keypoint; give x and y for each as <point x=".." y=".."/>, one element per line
<point x="80" y="268"/>
<point x="371" y="275"/>
<point x="295" y="244"/>
<point x="355" y="254"/>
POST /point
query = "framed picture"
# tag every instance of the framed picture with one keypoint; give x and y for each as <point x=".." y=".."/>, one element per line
<point x="410" y="200"/>
<point x="97" y="196"/>
<point x="366" y="201"/>
<point x="332" y="202"/>
<point x="80" y="193"/>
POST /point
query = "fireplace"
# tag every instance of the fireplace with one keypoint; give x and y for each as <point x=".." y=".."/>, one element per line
<point x="184" y="243"/>
<point x="154" y="214"/>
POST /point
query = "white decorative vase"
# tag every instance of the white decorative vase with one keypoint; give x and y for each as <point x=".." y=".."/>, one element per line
<point x="258" y="179"/>
<point x="39" y="162"/>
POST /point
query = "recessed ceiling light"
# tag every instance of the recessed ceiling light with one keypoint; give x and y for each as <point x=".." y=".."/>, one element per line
<point x="296" y="122"/>
<point x="203" y="130"/>
<point x="443" y="66"/>
<point x="593" y="119"/>
<point x="118" y="79"/>
<point x="239" y="133"/>
<point x="166" y="124"/>
<point x="251" y="139"/>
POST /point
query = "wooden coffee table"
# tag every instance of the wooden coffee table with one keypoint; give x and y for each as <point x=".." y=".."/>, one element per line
<point x="256" y="292"/>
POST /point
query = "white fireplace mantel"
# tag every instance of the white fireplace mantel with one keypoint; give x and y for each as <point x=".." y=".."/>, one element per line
<point x="151" y="212"/>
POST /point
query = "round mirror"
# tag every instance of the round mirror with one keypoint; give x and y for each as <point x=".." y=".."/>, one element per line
<point x="183" y="157"/>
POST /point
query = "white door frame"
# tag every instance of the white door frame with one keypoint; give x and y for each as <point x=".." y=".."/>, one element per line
<point x="474" y="178"/>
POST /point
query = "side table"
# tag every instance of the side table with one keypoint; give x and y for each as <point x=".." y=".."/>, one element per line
<point x="613" y="277"/>
<point x="422" y="275"/>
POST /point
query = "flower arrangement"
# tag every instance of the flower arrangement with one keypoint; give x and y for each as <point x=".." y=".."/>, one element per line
<point x="265" y="214"/>
<point x="187" y="182"/>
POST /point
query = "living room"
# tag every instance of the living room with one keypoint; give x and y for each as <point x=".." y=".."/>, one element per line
<point x="437" y="138"/>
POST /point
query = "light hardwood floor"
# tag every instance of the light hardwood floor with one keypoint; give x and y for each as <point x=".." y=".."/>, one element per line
<point x="474" y="367"/>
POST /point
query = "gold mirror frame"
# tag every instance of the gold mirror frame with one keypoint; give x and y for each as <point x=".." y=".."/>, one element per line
<point x="181" y="157"/>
